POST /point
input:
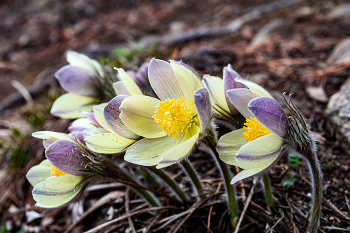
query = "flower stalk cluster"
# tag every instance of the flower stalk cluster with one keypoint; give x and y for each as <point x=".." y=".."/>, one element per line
<point x="159" y="116"/>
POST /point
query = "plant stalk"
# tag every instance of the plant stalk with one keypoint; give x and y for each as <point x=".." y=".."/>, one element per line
<point x="193" y="175"/>
<point x="231" y="195"/>
<point x="172" y="184"/>
<point x="316" y="180"/>
<point x="268" y="192"/>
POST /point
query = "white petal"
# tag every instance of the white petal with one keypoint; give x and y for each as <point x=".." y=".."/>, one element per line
<point x="120" y="88"/>
<point x="229" y="144"/>
<point x="240" y="98"/>
<point x="70" y="105"/>
<point x="100" y="118"/>
<point x="56" y="191"/>
<point x="163" y="81"/>
<point x="52" y="135"/>
<point x="187" y="80"/>
<point x="180" y="151"/>
<point x="261" y="152"/>
<point x="246" y="173"/>
<point x="39" y="173"/>
<point x="136" y="114"/>
<point x="129" y="83"/>
<point x="149" y="151"/>
<point x="107" y="143"/>
<point x="215" y="86"/>
<point x="255" y="88"/>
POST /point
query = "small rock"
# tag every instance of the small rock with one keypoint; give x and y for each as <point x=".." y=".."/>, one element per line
<point x="340" y="11"/>
<point x="338" y="115"/>
<point x="340" y="54"/>
<point x="317" y="93"/>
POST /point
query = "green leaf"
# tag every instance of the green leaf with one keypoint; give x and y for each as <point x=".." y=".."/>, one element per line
<point x="290" y="181"/>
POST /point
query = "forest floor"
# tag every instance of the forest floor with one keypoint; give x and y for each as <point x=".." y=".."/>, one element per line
<point x="292" y="58"/>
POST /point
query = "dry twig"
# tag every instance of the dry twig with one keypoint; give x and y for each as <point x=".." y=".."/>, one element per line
<point x="246" y="205"/>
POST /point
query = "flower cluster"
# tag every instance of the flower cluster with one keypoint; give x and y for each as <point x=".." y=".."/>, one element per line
<point x="157" y="118"/>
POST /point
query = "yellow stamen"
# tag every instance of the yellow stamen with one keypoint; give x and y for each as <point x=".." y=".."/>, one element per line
<point x="175" y="116"/>
<point x="254" y="130"/>
<point x="56" y="172"/>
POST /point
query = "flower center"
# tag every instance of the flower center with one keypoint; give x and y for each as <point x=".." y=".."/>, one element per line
<point x="56" y="172"/>
<point x="254" y="130"/>
<point x="175" y="116"/>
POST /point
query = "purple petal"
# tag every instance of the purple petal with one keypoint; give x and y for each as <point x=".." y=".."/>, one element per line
<point x="111" y="114"/>
<point x="240" y="98"/>
<point x="230" y="83"/>
<point x="203" y="107"/>
<point x="67" y="157"/>
<point x="163" y="81"/>
<point x="77" y="80"/>
<point x="80" y="136"/>
<point x="76" y="129"/>
<point x="120" y="88"/>
<point x="268" y="112"/>
<point x="91" y="117"/>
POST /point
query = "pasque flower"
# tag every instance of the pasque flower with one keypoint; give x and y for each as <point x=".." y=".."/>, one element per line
<point x="218" y="87"/>
<point x="165" y="129"/>
<point x="58" y="179"/>
<point x="81" y="80"/>
<point x="108" y="139"/>
<point x="258" y="145"/>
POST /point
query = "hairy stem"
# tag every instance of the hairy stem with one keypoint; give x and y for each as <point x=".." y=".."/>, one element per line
<point x="316" y="180"/>
<point x="268" y="192"/>
<point x="231" y="195"/>
<point x="172" y="184"/>
<point x="193" y="175"/>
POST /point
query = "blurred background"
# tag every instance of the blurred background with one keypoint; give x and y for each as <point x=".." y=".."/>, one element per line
<point x="300" y="47"/>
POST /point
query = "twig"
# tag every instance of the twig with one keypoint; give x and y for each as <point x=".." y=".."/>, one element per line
<point x="154" y="221"/>
<point x="335" y="209"/>
<point x="347" y="201"/>
<point x="103" y="200"/>
<point x="211" y="207"/>
<point x="259" y="207"/>
<point x="102" y="226"/>
<point x="246" y="205"/>
<point x="149" y="189"/>
<point x="192" y="210"/>
<point x="177" y="216"/>
<point x="271" y="229"/>
<point x="127" y="210"/>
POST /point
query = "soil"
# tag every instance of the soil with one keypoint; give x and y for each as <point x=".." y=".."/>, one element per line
<point x="36" y="34"/>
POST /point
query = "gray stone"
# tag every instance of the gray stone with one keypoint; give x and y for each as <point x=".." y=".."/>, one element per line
<point x="338" y="115"/>
<point x="340" y="54"/>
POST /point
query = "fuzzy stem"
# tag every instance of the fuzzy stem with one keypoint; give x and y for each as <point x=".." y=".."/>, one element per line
<point x="172" y="184"/>
<point x="143" y="193"/>
<point x="268" y="192"/>
<point x="193" y="175"/>
<point x="231" y="195"/>
<point x="316" y="180"/>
